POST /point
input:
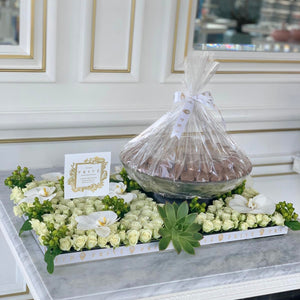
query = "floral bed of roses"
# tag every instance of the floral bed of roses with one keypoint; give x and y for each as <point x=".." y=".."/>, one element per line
<point x="125" y="218"/>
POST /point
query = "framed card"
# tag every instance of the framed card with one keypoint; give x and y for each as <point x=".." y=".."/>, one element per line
<point x="87" y="174"/>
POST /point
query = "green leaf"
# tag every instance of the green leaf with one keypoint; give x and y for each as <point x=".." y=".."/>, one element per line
<point x="176" y="244"/>
<point x="170" y="212"/>
<point x="194" y="228"/>
<point x="189" y="219"/>
<point x="187" y="247"/>
<point x="49" y="259"/>
<point x="161" y="212"/>
<point x="182" y="210"/>
<point x="164" y="232"/>
<point x="175" y="208"/>
<point x="294" y="225"/>
<point x="164" y="243"/>
<point x="198" y="236"/>
<point x="193" y="243"/>
<point x="25" y="227"/>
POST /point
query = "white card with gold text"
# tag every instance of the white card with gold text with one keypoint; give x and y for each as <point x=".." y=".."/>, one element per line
<point x="87" y="174"/>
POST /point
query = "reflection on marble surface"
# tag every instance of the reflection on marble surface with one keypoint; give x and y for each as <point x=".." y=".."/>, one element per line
<point x="150" y="274"/>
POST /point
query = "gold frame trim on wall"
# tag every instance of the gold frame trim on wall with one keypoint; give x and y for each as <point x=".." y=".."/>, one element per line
<point x="26" y="292"/>
<point x="31" y="55"/>
<point x="130" y="43"/>
<point x="43" y="68"/>
<point x="174" y="71"/>
<point x="120" y="136"/>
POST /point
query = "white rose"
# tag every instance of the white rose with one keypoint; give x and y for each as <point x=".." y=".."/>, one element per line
<point x="243" y="226"/>
<point x="227" y="225"/>
<point x="60" y="218"/>
<point x="35" y="224"/>
<point x="278" y="219"/>
<point x="265" y="221"/>
<point x="200" y="218"/>
<point x="135" y="225"/>
<point x="217" y="224"/>
<point x="242" y="217"/>
<point x="79" y="242"/>
<point x="65" y="243"/>
<point x="142" y="196"/>
<point x="228" y="210"/>
<point x="145" y="235"/>
<point x="218" y="203"/>
<point x="212" y="209"/>
<point x="70" y="204"/>
<point x="227" y="200"/>
<point x="80" y="232"/>
<point x="122" y="235"/>
<point x="48" y="218"/>
<point x="219" y="213"/>
<point x="146" y="212"/>
<point x="132" y="216"/>
<point x="225" y="216"/>
<point x="207" y="226"/>
<point x="114" y="240"/>
<point x="133" y="237"/>
<point x="89" y="209"/>
<point x="251" y="220"/>
<point x="157" y="223"/>
<point x="30" y="185"/>
<point x="102" y="242"/>
<point x="16" y="195"/>
<point x="156" y="234"/>
<point x="210" y="216"/>
<point x="235" y="215"/>
<point x="92" y="240"/>
<point x="259" y="218"/>
<point x="77" y="212"/>
<point x="18" y="211"/>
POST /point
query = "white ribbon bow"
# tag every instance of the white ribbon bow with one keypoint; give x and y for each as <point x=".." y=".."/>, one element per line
<point x="204" y="98"/>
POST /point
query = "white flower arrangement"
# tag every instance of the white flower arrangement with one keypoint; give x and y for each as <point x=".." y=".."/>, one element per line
<point x="87" y="223"/>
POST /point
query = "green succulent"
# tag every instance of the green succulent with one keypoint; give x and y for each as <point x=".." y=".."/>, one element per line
<point x="179" y="227"/>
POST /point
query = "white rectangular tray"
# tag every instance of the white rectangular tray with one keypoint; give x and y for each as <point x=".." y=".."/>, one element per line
<point x="97" y="254"/>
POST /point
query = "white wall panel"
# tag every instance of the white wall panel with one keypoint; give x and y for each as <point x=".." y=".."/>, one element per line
<point x="112" y="34"/>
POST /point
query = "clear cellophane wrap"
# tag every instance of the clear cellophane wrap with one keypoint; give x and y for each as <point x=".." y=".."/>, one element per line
<point x="187" y="152"/>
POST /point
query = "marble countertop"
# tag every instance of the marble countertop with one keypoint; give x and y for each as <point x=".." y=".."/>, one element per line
<point x="232" y="270"/>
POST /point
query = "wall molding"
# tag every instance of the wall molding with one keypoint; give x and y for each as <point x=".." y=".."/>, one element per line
<point x="88" y="72"/>
<point x="39" y="66"/>
<point x="54" y="119"/>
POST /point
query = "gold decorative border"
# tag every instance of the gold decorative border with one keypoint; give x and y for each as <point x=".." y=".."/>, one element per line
<point x="43" y="68"/>
<point x="274" y="174"/>
<point x="120" y="136"/>
<point x="273" y="164"/>
<point x="26" y="292"/>
<point x="130" y="44"/>
<point x="31" y="55"/>
<point x="93" y="187"/>
<point x="174" y="71"/>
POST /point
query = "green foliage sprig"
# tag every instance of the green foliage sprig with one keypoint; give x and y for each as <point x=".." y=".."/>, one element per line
<point x="131" y="184"/>
<point x="179" y="227"/>
<point x="238" y="190"/>
<point x="196" y="206"/>
<point x="117" y="205"/>
<point x="51" y="241"/>
<point x="62" y="182"/>
<point x="35" y="212"/>
<point x="19" y="178"/>
<point x="288" y="212"/>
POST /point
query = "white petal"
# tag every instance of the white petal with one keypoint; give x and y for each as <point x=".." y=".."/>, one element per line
<point x="85" y="223"/>
<point x="32" y="192"/>
<point x="128" y="197"/>
<point x="239" y="204"/>
<point x="111" y="217"/>
<point x="53" y="176"/>
<point x="264" y="205"/>
<point x="103" y="231"/>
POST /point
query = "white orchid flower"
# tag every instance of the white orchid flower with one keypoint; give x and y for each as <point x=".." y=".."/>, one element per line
<point x="259" y="204"/>
<point x="43" y="193"/>
<point x="99" y="221"/>
<point x="53" y="176"/>
<point x="118" y="189"/>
